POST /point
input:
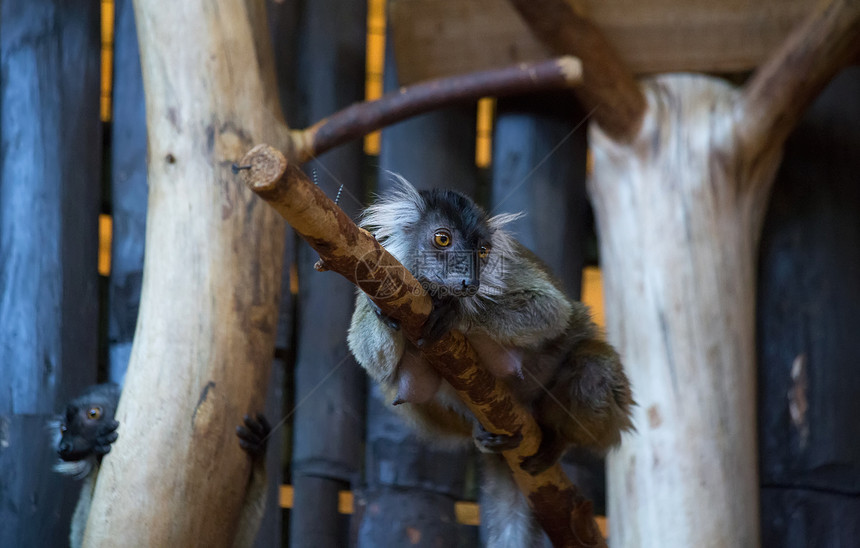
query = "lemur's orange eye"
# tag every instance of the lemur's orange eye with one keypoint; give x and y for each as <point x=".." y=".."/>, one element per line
<point x="94" y="413"/>
<point x="442" y="238"/>
<point x="483" y="252"/>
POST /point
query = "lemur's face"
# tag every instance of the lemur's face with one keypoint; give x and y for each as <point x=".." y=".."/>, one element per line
<point x="452" y="243"/>
<point x="80" y="428"/>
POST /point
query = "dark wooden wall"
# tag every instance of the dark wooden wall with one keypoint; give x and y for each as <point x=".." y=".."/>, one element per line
<point x="539" y="151"/>
<point x="809" y="315"/>
<point x="50" y="170"/>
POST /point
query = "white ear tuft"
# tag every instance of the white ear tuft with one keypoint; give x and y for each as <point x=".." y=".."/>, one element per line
<point x="393" y="214"/>
<point x="498" y="221"/>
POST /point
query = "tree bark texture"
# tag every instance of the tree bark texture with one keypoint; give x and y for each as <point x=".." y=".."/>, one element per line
<point x="359" y="119"/>
<point x="611" y="91"/>
<point x="205" y="333"/>
<point x="678" y="230"/>
<point x="50" y="195"/>
<point x="679" y="209"/>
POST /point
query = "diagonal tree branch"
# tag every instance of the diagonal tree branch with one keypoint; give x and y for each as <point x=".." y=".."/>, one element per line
<point x="608" y="85"/>
<point x="354" y="253"/>
<point x="777" y="95"/>
<point x="361" y="118"/>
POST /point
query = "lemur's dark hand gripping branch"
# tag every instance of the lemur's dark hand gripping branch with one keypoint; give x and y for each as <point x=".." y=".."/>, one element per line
<point x="354" y="253"/>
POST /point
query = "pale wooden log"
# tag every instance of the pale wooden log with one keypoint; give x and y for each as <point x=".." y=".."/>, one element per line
<point x="355" y="254"/>
<point x="205" y="334"/>
<point x="677" y="245"/>
<point x="679" y="211"/>
<point x="436" y="38"/>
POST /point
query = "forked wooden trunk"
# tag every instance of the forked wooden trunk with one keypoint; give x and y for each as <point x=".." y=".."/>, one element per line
<point x="205" y="333"/>
<point x="678" y="212"/>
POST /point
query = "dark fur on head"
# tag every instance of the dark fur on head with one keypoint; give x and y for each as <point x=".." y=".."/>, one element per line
<point x="471" y="266"/>
<point x="84" y="432"/>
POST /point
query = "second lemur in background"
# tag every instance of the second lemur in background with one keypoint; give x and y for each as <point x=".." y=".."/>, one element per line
<point x="85" y="432"/>
<point x="525" y="331"/>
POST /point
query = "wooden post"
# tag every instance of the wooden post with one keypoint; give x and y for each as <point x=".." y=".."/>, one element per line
<point x="539" y="150"/>
<point x="282" y="21"/>
<point x="205" y="334"/>
<point x="50" y="171"/>
<point x="329" y="385"/>
<point x="679" y="190"/>
<point x="678" y="237"/>
<point x="808" y="313"/>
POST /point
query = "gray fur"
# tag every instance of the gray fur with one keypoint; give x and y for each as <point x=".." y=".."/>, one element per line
<point x="525" y="331"/>
<point x="505" y="514"/>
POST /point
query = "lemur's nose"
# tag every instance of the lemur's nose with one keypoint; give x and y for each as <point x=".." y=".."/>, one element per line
<point x="471" y="286"/>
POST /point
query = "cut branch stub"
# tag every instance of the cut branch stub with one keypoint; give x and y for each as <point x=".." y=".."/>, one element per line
<point x="343" y="247"/>
<point x="355" y="254"/>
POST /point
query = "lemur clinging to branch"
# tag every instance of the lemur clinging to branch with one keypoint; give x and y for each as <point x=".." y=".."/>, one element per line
<point x="525" y="331"/>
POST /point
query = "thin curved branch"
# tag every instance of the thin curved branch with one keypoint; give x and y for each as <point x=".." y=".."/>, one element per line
<point x="354" y="253"/>
<point x="608" y="87"/>
<point x="777" y="95"/>
<point x="361" y="118"/>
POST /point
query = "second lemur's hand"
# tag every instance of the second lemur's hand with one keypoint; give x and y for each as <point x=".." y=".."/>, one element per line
<point x="254" y="435"/>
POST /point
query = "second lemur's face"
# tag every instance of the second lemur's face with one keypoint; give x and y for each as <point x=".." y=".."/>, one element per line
<point x="451" y="243"/>
<point x="80" y="427"/>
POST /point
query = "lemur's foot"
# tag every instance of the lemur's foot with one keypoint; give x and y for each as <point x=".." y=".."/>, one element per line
<point x="489" y="442"/>
<point x="550" y="451"/>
